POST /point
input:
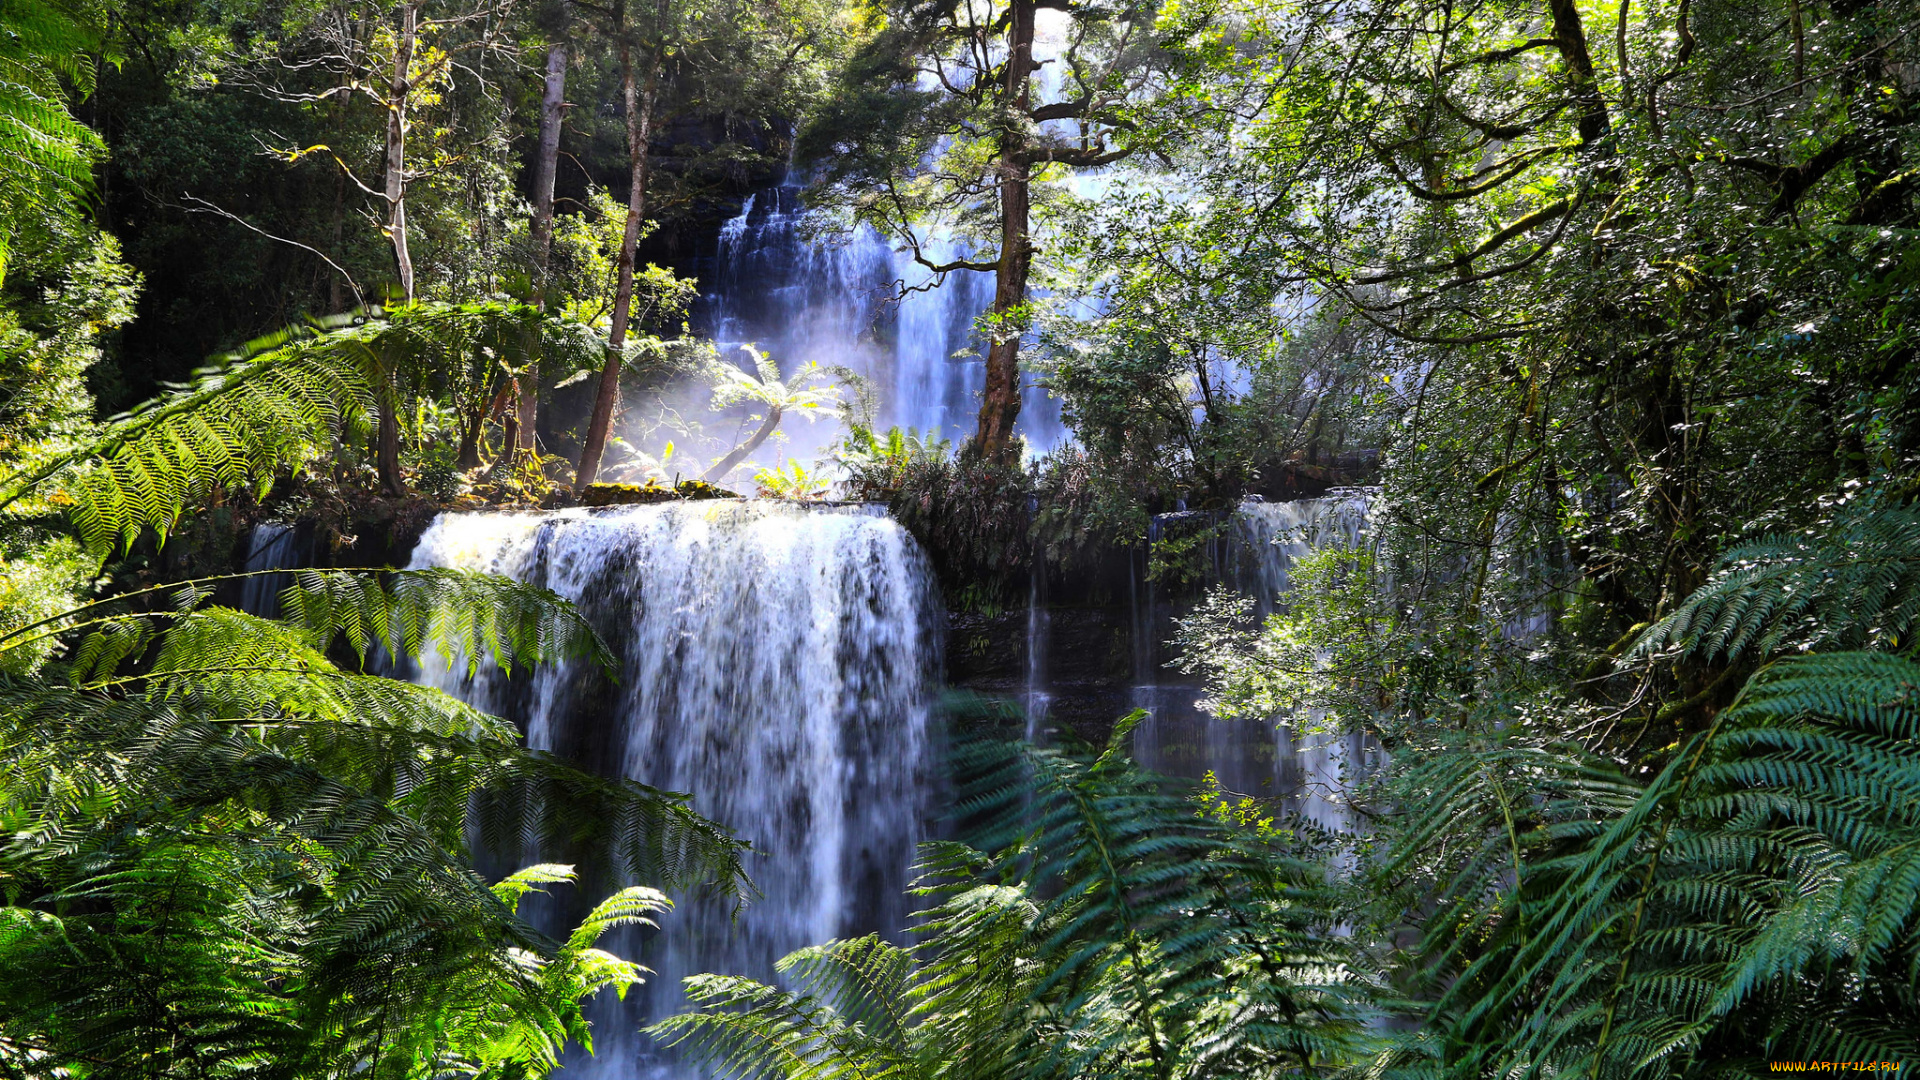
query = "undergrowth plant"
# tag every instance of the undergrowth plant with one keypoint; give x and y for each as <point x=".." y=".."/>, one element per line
<point x="1097" y="923"/>
<point x="1750" y="898"/>
<point x="233" y="849"/>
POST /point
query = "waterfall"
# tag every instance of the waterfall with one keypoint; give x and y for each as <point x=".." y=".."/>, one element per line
<point x="801" y="297"/>
<point x="269" y="547"/>
<point x="774" y="661"/>
<point x="1283" y="757"/>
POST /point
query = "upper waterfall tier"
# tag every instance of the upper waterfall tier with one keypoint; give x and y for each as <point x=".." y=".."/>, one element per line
<point x="837" y="300"/>
<point x="1272" y="535"/>
<point x="775" y="661"/>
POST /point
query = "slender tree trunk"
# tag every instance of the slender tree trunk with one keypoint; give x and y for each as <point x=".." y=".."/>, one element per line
<point x="387" y="444"/>
<point x="552" y="111"/>
<point x="1570" y="36"/>
<point x="386" y="447"/>
<point x="469" y="455"/>
<point x="336" y="296"/>
<point x="396" y="165"/>
<point x="1000" y="404"/>
<point x="639" y="107"/>
<point x="510" y="424"/>
<point x="739" y="453"/>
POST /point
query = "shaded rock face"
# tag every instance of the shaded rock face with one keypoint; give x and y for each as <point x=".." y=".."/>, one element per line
<point x="1088" y="651"/>
<point x="1083" y="678"/>
<point x="1300" y="478"/>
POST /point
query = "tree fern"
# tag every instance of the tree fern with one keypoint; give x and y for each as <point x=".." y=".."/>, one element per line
<point x="371" y="924"/>
<point x="229" y="856"/>
<point x="1849" y="582"/>
<point x="1755" y="901"/>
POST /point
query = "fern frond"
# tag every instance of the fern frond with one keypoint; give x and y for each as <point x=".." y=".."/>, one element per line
<point x="864" y="980"/>
<point x="277" y="403"/>
<point x="745" y="1030"/>
<point x="241" y="422"/>
<point x="1757" y="900"/>
<point x="1850" y="583"/>
<point x="46" y="156"/>
<point x="1113" y="931"/>
<point x="465" y="615"/>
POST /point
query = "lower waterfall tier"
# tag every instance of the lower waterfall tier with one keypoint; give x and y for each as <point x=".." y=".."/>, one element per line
<point x="774" y="661"/>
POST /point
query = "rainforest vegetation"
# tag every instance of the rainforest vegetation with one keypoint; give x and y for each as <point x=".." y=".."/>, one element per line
<point x="1611" y="308"/>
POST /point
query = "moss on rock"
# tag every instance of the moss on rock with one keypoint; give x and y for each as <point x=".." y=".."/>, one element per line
<point x="650" y="492"/>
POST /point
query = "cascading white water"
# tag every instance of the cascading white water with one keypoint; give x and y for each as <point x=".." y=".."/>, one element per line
<point x="775" y="661"/>
<point x="1285" y="757"/>
<point x="802" y="297"/>
<point x="269" y="547"/>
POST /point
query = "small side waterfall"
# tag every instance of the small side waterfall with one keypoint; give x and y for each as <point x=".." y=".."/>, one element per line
<point x="775" y="661"/>
<point x="1280" y="758"/>
<point x="269" y="547"/>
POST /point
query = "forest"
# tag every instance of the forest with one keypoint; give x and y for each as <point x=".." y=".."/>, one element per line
<point x="978" y="539"/>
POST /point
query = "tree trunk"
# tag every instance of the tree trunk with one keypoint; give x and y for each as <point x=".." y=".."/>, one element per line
<point x="336" y="298"/>
<point x="469" y="455"/>
<point x="510" y="425"/>
<point x="738" y="454"/>
<point x="639" y="130"/>
<point x="1570" y="36"/>
<point x="396" y="164"/>
<point x="1000" y="404"/>
<point x="387" y="445"/>
<point x="552" y="111"/>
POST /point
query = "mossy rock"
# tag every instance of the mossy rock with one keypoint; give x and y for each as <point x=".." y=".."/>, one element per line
<point x="650" y="492"/>
<point x="625" y="494"/>
<point x="700" y="489"/>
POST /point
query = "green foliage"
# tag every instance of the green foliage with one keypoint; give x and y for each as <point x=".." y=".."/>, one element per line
<point x="1749" y="900"/>
<point x="50" y="341"/>
<point x="46" y="156"/>
<point x="1752" y="902"/>
<point x="878" y="466"/>
<point x="971" y="513"/>
<point x="282" y="403"/>
<point x="1851" y="580"/>
<point x="439" y="479"/>
<point x="792" y="482"/>
<point x="1178" y="557"/>
<point x="297" y="892"/>
<point x="275" y="404"/>
<point x="228" y="854"/>
<point x="1334" y="648"/>
<point x="1201" y="398"/>
<point x="44" y="576"/>
<point x="1114" y="931"/>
